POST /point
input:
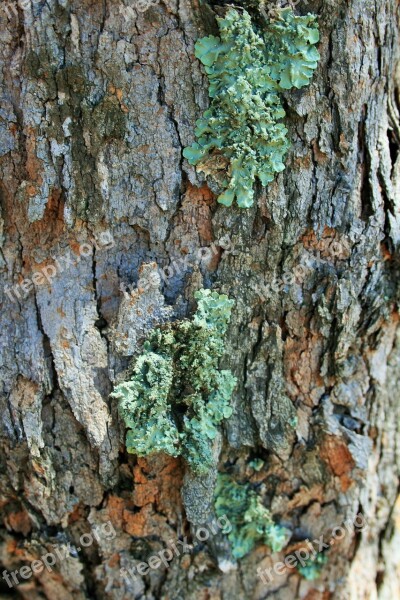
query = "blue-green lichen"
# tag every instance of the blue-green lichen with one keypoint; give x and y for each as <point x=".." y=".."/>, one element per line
<point x="177" y="396"/>
<point x="250" y="520"/>
<point x="312" y="567"/>
<point x="256" y="464"/>
<point x="247" y="69"/>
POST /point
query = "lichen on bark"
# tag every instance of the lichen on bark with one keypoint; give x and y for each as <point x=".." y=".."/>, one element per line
<point x="247" y="67"/>
<point x="177" y="396"/>
<point x="322" y="345"/>
<point x="250" y="521"/>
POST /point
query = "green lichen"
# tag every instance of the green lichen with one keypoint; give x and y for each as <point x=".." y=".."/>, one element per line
<point x="312" y="567"/>
<point x="251" y="522"/>
<point x="177" y="396"/>
<point x="256" y="464"/>
<point x="247" y="68"/>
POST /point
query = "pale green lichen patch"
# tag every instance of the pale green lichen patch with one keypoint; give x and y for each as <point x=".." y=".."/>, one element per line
<point x="311" y="568"/>
<point x="177" y="396"/>
<point x="250" y="520"/>
<point x="247" y="68"/>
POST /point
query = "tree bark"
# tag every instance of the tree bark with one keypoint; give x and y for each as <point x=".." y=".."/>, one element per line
<point x="98" y="101"/>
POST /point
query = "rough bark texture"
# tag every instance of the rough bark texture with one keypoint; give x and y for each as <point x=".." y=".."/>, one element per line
<point x="97" y="101"/>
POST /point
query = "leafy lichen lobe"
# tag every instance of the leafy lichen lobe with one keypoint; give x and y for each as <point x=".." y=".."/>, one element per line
<point x="247" y="68"/>
<point x="177" y="396"/>
<point x="250" y="520"/>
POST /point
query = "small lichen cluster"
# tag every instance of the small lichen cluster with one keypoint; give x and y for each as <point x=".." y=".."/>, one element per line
<point x="251" y="522"/>
<point x="177" y="396"/>
<point x="247" y="68"/>
<point x="313" y="566"/>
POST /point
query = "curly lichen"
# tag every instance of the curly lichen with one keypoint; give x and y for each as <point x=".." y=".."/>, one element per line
<point x="177" y="396"/>
<point x="247" y="68"/>
<point x="251" y="522"/>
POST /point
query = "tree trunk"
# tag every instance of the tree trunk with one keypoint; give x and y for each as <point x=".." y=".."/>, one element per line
<point x="98" y="100"/>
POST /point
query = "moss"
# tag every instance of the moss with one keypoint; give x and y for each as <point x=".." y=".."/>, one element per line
<point x="251" y="522"/>
<point x="177" y="396"/>
<point x="312" y="567"/>
<point x="247" y="68"/>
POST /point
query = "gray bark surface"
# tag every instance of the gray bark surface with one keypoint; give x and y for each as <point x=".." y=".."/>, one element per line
<point x="97" y="102"/>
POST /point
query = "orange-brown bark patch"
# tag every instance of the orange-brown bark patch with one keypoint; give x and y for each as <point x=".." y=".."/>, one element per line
<point x="316" y="595"/>
<point x="331" y="244"/>
<point x="335" y="453"/>
<point x="196" y="210"/>
<point x="302" y="364"/>
<point x="158" y="480"/>
<point x="20" y="522"/>
<point x="319" y="156"/>
<point x="115" y="507"/>
<point x="33" y="164"/>
<point x="52" y="223"/>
